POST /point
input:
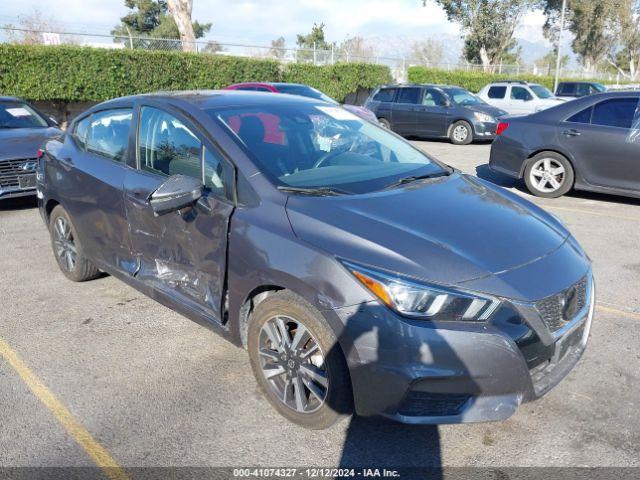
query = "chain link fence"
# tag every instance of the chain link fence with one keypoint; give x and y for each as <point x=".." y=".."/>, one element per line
<point x="397" y="64"/>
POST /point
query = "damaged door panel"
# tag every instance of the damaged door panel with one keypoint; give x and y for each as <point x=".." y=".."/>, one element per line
<point x="180" y="253"/>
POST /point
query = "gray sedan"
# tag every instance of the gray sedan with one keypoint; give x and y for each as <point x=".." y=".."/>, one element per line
<point x="592" y="143"/>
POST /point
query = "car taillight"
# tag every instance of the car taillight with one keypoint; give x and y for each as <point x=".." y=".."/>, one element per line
<point x="502" y="126"/>
<point x="39" y="153"/>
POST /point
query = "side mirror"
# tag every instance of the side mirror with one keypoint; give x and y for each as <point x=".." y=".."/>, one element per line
<point x="177" y="192"/>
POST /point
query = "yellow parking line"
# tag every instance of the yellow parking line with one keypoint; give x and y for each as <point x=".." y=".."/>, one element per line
<point x="623" y="313"/>
<point x="100" y="456"/>
<point x="590" y="212"/>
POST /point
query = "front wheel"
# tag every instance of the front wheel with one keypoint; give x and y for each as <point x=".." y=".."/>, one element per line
<point x="67" y="248"/>
<point x="297" y="361"/>
<point x="461" y="133"/>
<point x="384" y="123"/>
<point x="549" y="175"/>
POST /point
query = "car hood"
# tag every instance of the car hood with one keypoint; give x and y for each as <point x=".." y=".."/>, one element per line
<point x="488" y="109"/>
<point x="362" y="112"/>
<point x="446" y="230"/>
<point x="23" y="142"/>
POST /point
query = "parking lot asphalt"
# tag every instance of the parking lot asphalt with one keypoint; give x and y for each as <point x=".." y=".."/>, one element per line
<point x="151" y="388"/>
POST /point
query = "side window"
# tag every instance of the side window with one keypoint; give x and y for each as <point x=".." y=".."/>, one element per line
<point x="568" y="89"/>
<point x="166" y="146"/>
<point x="434" y="98"/>
<point x="497" y="92"/>
<point x="583" y="116"/>
<point x="583" y="89"/>
<point x="520" y="93"/>
<point x="385" y="95"/>
<point x="80" y="132"/>
<point x="108" y="133"/>
<point x="618" y="112"/>
<point x="410" y="95"/>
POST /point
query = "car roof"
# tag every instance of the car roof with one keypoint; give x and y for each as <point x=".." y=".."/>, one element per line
<point x="408" y="85"/>
<point x="11" y="99"/>
<point x="206" y="99"/>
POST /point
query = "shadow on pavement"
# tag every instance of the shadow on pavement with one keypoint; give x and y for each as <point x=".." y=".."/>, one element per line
<point x="484" y="172"/>
<point x="20" y="203"/>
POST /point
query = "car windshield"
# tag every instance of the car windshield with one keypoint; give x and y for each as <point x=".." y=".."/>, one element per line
<point x="463" y="97"/>
<point x="320" y="146"/>
<point x="541" y="92"/>
<point x="20" y="115"/>
<point x="305" y="91"/>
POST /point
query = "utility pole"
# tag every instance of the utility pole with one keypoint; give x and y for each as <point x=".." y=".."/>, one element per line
<point x="557" y="79"/>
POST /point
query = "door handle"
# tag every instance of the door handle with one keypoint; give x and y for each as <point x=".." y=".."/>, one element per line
<point x="572" y="132"/>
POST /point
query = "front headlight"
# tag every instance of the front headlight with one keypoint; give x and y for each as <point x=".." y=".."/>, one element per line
<point x="425" y="301"/>
<point x="483" y="117"/>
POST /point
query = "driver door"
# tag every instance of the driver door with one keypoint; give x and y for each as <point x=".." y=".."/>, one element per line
<point x="181" y="254"/>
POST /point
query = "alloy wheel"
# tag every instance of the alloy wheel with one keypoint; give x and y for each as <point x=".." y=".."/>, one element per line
<point x="65" y="246"/>
<point x="293" y="364"/>
<point x="547" y="175"/>
<point x="460" y="133"/>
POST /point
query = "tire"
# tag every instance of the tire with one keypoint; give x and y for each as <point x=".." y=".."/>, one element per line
<point x="67" y="249"/>
<point x="384" y="123"/>
<point x="286" y="311"/>
<point x="549" y="175"/>
<point x="457" y="135"/>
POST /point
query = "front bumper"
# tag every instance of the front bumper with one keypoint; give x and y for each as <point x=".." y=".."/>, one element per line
<point x="484" y="130"/>
<point x="422" y="372"/>
<point x="16" y="192"/>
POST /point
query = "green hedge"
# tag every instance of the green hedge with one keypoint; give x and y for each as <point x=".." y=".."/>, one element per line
<point x="472" y="81"/>
<point x="72" y="73"/>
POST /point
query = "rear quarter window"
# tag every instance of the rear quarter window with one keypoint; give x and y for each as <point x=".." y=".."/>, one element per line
<point x="385" y="95"/>
<point x="497" y="92"/>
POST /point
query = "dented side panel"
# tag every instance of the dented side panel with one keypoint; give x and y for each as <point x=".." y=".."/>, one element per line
<point x="182" y="254"/>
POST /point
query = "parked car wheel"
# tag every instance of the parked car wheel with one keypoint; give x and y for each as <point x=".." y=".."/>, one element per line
<point x="297" y="361"/>
<point x="67" y="248"/>
<point x="461" y="133"/>
<point x="384" y="123"/>
<point x="549" y="175"/>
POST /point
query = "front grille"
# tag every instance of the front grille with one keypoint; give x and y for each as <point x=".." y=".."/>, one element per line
<point x="428" y="404"/>
<point x="559" y="309"/>
<point x="10" y="170"/>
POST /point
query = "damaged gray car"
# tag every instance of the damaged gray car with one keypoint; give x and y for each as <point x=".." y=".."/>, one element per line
<point x="359" y="273"/>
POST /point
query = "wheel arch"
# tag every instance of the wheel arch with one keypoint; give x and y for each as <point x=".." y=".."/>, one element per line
<point x="455" y="120"/>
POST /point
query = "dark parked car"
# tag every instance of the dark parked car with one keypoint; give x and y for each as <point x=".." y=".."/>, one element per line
<point x="592" y="143"/>
<point x="570" y="90"/>
<point x="303" y="91"/>
<point x="23" y="129"/>
<point x="356" y="270"/>
<point x="434" y="111"/>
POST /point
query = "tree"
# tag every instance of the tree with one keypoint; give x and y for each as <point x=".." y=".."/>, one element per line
<point x="547" y="63"/>
<point x="429" y="52"/>
<point x="487" y="26"/>
<point x="593" y="25"/>
<point x="356" y="47"/>
<point x="278" y="49"/>
<point x="627" y="59"/>
<point x="31" y="28"/>
<point x="155" y="19"/>
<point x="314" y="40"/>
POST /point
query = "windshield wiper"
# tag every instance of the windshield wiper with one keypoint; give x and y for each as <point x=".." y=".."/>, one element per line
<point x="317" y="191"/>
<point x="415" y="178"/>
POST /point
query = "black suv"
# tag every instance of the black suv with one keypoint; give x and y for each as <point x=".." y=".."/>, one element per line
<point x="570" y="90"/>
<point x="435" y="111"/>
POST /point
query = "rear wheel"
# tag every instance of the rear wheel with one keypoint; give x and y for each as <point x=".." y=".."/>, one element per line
<point x="461" y="133"/>
<point x="384" y="123"/>
<point x="297" y="361"/>
<point x="549" y="175"/>
<point x="67" y="248"/>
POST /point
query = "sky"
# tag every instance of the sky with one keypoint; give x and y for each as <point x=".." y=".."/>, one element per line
<point x="259" y="21"/>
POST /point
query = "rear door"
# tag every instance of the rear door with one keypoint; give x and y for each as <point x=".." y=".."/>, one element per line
<point x="431" y="117"/>
<point x="182" y="254"/>
<point x="605" y="142"/>
<point x="405" y="110"/>
<point x="497" y="96"/>
<point x="94" y="159"/>
<point x="382" y="103"/>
